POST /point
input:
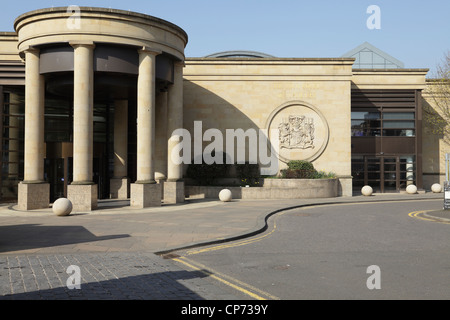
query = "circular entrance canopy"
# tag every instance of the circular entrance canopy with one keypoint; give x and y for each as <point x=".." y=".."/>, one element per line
<point x="44" y="27"/>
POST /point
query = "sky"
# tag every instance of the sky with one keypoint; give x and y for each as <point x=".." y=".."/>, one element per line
<point x="414" y="32"/>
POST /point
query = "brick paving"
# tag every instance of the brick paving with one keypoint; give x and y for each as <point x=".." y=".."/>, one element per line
<point x="105" y="276"/>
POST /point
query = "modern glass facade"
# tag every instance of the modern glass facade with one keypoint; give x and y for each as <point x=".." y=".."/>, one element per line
<point x="386" y="133"/>
<point x="12" y="137"/>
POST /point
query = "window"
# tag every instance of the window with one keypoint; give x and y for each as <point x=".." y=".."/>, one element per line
<point x="12" y="141"/>
<point x="366" y="124"/>
<point x="399" y="124"/>
<point x="58" y="120"/>
<point x="389" y="124"/>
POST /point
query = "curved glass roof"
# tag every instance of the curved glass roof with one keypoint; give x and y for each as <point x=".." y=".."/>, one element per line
<point x="239" y="54"/>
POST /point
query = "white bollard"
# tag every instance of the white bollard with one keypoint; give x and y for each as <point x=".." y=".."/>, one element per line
<point x="62" y="207"/>
<point x="367" y="191"/>
<point x="225" y="195"/>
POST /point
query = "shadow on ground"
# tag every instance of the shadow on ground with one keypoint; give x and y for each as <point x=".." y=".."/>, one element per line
<point x="155" y="286"/>
<point x="34" y="236"/>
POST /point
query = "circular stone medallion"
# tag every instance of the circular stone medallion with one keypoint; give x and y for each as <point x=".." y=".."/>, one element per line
<point x="303" y="131"/>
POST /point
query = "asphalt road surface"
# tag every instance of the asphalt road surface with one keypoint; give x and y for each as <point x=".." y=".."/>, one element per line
<point x="346" y="251"/>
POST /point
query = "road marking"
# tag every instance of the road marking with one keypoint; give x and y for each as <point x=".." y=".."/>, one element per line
<point x="419" y="215"/>
<point x="239" y="243"/>
<point x="240" y="286"/>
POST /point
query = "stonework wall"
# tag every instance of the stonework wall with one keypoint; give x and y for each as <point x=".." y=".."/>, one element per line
<point x="435" y="143"/>
<point x="272" y="189"/>
<point x="264" y="93"/>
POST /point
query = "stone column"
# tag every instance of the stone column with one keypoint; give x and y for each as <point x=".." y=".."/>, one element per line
<point x="174" y="187"/>
<point x="119" y="183"/>
<point x="146" y="192"/>
<point x="83" y="192"/>
<point x="34" y="193"/>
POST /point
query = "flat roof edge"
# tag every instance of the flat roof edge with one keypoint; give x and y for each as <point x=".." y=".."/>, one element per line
<point x="268" y="59"/>
<point x="393" y="70"/>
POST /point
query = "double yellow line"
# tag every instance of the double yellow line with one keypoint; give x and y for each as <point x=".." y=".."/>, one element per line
<point x="236" y="284"/>
<point x="419" y="215"/>
<point x="245" y="288"/>
<point x="234" y="244"/>
<point x="240" y="286"/>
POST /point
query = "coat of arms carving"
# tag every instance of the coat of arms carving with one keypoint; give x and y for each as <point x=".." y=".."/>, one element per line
<point x="297" y="132"/>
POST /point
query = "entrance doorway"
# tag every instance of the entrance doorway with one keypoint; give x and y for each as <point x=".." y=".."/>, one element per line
<point x="59" y="169"/>
<point x="383" y="173"/>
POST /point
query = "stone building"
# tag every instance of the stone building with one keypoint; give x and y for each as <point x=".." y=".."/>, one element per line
<point x="90" y="101"/>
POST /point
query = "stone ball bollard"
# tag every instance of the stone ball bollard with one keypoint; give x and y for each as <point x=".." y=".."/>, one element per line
<point x="367" y="191"/>
<point x="436" y="188"/>
<point x="62" y="207"/>
<point x="225" y="195"/>
<point x="411" y="189"/>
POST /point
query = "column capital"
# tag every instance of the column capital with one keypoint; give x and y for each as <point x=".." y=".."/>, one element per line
<point x="149" y="50"/>
<point x="181" y="64"/>
<point x="76" y="44"/>
<point x="30" y="49"/>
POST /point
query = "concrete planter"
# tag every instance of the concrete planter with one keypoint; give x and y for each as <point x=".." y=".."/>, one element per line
<point x="273" y="189"/>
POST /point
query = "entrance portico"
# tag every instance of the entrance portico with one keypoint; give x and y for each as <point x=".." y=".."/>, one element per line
<point x="101" y="53"/>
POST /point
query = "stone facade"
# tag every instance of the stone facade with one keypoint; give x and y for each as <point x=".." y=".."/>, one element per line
<point x="307" y="100"/>
<point x="256" y="93"/>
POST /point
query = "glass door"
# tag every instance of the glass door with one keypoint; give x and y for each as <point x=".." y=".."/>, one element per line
<point x="383" y="173"/>
<point x="373" y="173"/>
<point x="55" y="176"/>
<point x="390" y="181"/>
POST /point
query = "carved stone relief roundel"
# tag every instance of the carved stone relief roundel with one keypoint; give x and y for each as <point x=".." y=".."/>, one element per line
<point x="303" y="131"/>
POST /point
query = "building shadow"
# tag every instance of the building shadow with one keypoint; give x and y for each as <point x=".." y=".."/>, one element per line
<point x="34" y="236"/>
<point x="153" y="286"/>
<point x="215" y="112"/>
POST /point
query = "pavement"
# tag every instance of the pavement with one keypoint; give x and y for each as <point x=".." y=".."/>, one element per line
<point x="121" y="250"/>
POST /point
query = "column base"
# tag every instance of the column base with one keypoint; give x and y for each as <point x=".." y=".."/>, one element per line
<point x="33" y="196"/>
<point x="119" y="188"/>
<point x="173" y="192"/>
<point x="145" y="195"/>
<point x="83" y="197"/>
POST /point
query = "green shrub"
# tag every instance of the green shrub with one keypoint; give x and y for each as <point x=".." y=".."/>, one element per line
<point x="299" y="169"/>
<point x="300" y="165"/>
<point x="325" y="175"/>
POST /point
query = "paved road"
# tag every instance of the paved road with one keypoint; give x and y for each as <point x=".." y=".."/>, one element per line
<point x="114" y="248"/>
<point x="324" y="252"/>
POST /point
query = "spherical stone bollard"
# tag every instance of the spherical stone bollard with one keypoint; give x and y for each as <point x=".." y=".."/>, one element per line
<point x="367" y="191"/>
<point x="225" y="195"/>
<point x="411" y="189"/>
<point x="62" y="207"/>
<point x="436" y="188"/>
